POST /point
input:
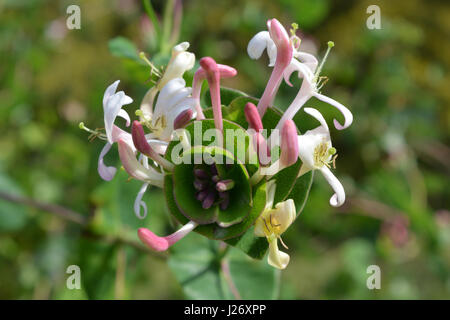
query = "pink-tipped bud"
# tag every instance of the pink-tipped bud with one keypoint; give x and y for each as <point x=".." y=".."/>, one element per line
<point x="183" y="119"/>
<point x="226" y="71"/>
<point x="252" y="116"/>
<point x="262" y="148"/>
<point x="141" y="144"/>
<point x="153" y="241"/>
<point x="139" y="140"/>
<point x="213" y="76"/>
<point x="281" y="38"/>
<point x="209" y="65"/>
<point x="157" y="243"/>
<point x="289" y="143"/>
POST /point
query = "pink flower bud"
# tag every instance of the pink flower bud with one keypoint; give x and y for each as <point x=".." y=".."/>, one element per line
<point x="252" y="116"/>
<point x="183" y="119"/>
<point x="289" y="144"/>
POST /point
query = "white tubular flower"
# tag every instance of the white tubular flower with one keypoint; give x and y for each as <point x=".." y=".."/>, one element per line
<point x="173" y="99"/>
<point x="112" y="107"/>
<point x="307" y="67"/>
<point x="311" y="85"/>
<point x="317" y="153"/>
<point x="272" y="223"/>
<point x="105" y="172"/>
<point x="180" y="62"/>
<point x="262" y="40"/>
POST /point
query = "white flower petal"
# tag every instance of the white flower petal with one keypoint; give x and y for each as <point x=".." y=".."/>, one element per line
<point x="338" y="198"/>
<point x="348" y="116"/>
<point x="303" y="72"/>
<point x="135" y="169"/>
<point x="112" y="106"/>
<point x="277" y="258"/>
<point x="105" y="172"/>
<point x="147" y="102"/>
<point x="172" y="92"/>
<point x="318" y="116"/>
<point x="284" y="213"/>
<point x="123" y="114"/>
<point x="307" y="143"/>
<point x="138" y="203"/>
<point x="111" y="90"/>
<point x="259" y="43"/>
<point x="178" y="65"/>
<point x="307" y="59"/>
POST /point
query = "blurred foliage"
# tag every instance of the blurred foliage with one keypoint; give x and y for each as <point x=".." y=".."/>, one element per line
<point x="394" y="162"/>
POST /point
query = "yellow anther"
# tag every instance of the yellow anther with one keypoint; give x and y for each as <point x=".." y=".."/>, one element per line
<point x="322" y="155"/>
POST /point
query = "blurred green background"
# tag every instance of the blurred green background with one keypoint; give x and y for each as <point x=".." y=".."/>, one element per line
<point x="394" y="161"/>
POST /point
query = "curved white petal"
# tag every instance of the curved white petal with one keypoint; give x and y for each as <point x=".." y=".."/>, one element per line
<point x="119" y="134"/>
<point x="147" y="102"/>
<point x="173" y="92"/>
<point x="348" y="116"/>
<point x="284" y="213"/>
<point x="180" y="62"/>
<point x="112" y="108"/>
<point x="277" y="258"/>
<point x="123" y="114"/>
<point x="259" y="228"/>
<point x="111" y="90"/>
<point x="307" y="59"/>
<point x="257" y="44"/>
<point x="338" y="198"/>
<point x="135" y="169"/>
<point x="105" y="172"/>
<point x="183" y="46"/>
<point x="138" y="203"/>
<point x="318" y="116"/>
<point x="303" y="72"/>
<point x="271" y="52"/>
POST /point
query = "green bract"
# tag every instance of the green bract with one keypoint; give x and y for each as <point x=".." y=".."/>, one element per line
<point x="234" y="225"/>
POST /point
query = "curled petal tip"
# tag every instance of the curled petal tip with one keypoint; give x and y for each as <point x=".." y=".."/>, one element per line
<point x="152" y="241"/>
<point x="339" y="126"/>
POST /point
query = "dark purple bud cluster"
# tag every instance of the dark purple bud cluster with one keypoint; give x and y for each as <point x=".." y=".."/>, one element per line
<point x="210" y="188"/>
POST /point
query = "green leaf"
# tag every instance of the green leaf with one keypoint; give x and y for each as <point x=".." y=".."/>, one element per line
<point x="253" y="279"/>
<point x="253" y="246"/>
<point x="123" y="48"/>
<point x="196" y="265"/>
<point x="285" y="180"/>
<point x="300" y="191"/>
<point x="98" y="268"/>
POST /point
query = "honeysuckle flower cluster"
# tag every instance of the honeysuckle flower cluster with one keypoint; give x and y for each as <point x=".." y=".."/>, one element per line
<point x="245" y="188"/>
